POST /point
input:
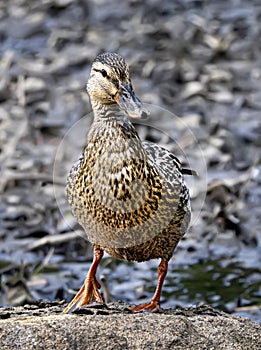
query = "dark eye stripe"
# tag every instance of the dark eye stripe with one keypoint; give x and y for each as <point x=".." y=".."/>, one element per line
<point x="102" y="71"/>
<point x="105" y="75"/>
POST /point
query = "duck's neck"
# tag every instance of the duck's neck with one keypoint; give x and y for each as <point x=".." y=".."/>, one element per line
<point x="113" y="132"/>
<point x="107" y="112"/>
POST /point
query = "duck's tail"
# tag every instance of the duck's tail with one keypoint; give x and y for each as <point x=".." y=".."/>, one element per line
<point x="189" y="172"/>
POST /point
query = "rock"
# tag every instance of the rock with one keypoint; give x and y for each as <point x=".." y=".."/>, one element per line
<point x="221" y="96"/>
<point x="193" y="88"/>
<point x="114" y="327"/>
<point x="33" y="84"/>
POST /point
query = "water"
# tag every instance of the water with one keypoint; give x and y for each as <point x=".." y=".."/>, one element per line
<point x="225" y="285"/>
<point x="229" y="287"/>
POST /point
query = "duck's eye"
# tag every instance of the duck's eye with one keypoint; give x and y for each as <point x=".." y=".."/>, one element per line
<point x="104" y="73"/>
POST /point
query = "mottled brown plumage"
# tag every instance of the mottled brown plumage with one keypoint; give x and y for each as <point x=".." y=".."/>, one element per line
<point x="129" y="195"/>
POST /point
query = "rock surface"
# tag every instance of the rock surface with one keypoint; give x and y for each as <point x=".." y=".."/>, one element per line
<point x="114" y="327"/>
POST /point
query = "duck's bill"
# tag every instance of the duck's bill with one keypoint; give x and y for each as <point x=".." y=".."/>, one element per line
<point x="129" y="102"/>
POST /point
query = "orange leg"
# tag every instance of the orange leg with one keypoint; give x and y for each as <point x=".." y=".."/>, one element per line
<point x="89" y="290"/>
<point x="154" y="304"/>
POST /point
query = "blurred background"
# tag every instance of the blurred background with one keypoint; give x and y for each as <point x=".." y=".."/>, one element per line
<point x="200" y="60"/>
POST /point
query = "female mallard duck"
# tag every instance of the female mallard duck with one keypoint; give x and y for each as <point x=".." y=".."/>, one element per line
<point x="129" y="195"/>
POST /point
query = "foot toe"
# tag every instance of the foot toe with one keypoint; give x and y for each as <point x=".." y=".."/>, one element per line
<point x="152" y="306"/>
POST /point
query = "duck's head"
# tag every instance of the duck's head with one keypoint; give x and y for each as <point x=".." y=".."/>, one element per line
<point x="109" y="83"/>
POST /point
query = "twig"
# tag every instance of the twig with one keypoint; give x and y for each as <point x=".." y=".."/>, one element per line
<point x="14" y="176"/>
<point x="10" y="150"/>
<point x="55" y="239"/>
